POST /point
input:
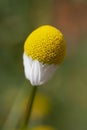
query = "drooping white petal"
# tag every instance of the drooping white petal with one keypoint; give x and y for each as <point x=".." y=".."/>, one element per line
<point x="48" y="71"/>
<point x="37" y="72"/>
<point x="27" y="66"/>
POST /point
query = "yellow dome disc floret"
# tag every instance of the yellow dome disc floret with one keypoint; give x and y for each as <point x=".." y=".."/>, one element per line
<point x="46" y="44"/>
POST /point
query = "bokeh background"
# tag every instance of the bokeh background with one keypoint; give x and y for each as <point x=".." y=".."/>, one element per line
<point x="61" y="103"/>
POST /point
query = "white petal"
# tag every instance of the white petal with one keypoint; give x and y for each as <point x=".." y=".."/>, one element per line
<point x="48" y="71"/>
<point x="36" y="72"/>
<point x="27" y="62"/>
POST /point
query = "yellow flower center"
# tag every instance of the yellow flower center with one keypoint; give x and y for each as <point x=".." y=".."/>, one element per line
<point x="46" y="44"/>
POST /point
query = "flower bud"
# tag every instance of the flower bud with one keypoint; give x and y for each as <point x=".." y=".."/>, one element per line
<point x="44" y="51"/>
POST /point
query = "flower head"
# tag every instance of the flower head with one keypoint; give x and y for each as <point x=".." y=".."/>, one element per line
<point x="44" y="51"/>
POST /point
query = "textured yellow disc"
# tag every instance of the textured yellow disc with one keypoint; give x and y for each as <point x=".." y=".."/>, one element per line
<point x="46" y="44"/>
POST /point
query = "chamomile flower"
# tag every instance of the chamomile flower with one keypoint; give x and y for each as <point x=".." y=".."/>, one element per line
<point x="44" y="51"/>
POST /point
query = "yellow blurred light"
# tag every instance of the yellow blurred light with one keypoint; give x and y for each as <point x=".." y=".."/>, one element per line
<point x="41" y="106"/>
<point x="43" y="128"/>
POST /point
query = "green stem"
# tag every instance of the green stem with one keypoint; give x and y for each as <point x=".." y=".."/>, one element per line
<point x="28" y="110"/>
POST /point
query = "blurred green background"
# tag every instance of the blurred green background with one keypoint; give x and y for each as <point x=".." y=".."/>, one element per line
<point x="64" y="98"/>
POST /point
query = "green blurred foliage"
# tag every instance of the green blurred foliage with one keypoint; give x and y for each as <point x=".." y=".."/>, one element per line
<point x="68" y="87"/>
